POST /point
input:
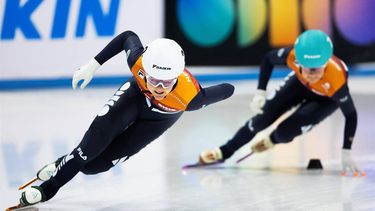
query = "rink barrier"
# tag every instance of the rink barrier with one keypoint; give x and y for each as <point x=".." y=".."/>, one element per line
<point x="104" y="81"/>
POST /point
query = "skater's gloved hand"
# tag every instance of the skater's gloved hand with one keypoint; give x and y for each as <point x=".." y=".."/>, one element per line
<point x="348" y="164"/>
<point x="258" y="101"/>
<point x="85" y="73"/>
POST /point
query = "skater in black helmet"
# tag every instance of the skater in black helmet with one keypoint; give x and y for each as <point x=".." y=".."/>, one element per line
<point x="318" y="84"/>
<point x="141" y="110"/>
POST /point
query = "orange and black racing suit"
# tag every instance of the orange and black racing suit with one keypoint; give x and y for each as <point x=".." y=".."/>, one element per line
<point x="132" y="118"/>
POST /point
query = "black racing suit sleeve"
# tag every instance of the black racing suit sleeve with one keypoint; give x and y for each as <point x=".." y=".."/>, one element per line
<point x="274" y="57"/>
<point x="210" y="95"/>
<point x="127" y="41"/>
<point x="346" y="104"/>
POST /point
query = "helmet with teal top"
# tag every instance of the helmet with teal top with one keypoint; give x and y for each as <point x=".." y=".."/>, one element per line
<point x="313" y="48"/>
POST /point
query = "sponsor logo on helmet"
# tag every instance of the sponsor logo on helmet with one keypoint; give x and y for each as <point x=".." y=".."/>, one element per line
<point x="160" y="68"/>
<point x="311" y="56"/>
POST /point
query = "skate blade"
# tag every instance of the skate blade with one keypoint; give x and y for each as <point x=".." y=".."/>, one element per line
<point x="28" y="183"/>
<point x="22" y="208"/>
<point x="244" y="157"/>
<point x="198" y="165"/>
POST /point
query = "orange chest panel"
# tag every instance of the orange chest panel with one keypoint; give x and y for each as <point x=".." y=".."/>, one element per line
<point x="178" y="99"/>
<point x="335" y="76"/>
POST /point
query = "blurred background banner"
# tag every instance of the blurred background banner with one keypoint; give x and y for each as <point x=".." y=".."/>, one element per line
<point x="51" y="39"/>
<point x="43" y="42"/>
<point x="240" y="32"/>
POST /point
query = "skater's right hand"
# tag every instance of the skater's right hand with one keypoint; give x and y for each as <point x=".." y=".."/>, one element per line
<point x="258" y="101"/>
<point x="85" y="73"/>
<point x="348" y="164"/>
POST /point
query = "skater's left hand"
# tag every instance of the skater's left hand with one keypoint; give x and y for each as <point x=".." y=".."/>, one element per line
<point x="258" y="101"/>
<point x="348" y="164"/>
<point x="85" y="73"/>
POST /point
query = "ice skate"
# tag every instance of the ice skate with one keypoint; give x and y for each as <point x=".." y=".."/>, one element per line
<point x="211" y="157"/>
<point x="29" y="197"/>
<point x="206" y="158"/>
<point x="44" y="173"/>
<point x="19" y="207"/>
<point x="263" y="145"/>
<point x="32" y="195"/>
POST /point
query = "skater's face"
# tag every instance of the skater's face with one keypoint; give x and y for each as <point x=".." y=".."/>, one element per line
<point x="159" y="92"/>
<point x="312" y="75"/>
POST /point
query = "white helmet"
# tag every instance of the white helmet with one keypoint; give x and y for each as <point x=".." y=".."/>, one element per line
<point x="163" y="59"/>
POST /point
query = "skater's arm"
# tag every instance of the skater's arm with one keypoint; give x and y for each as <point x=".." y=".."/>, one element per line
<point x="127" y="41"/>
<point x="274" y="57"/>
<point x="345" y="102"/>
<point x="210" y="95"/>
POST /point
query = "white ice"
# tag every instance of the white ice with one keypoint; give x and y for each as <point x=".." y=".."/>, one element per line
<point x="37" y="126"/>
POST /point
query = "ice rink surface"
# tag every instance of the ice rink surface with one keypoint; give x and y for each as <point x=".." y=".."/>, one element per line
<point x="37" y="126"/>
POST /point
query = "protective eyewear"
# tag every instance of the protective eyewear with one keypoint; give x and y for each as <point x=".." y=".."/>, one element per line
<point x="313" y="70"/>
<point x="157" y="82"/>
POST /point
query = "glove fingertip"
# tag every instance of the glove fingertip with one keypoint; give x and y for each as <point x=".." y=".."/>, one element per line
<point x="74" y="82"/>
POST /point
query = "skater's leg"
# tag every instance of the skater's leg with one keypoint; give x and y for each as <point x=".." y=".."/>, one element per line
<point x="276" y="105"/>
<point x="104" y="129"/>
<point x="303" y="120"/>
<point x="131" y="141"/>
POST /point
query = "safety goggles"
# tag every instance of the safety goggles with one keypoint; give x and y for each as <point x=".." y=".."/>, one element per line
<point x="313" y="71"/>
<point x="157" y="82"/>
